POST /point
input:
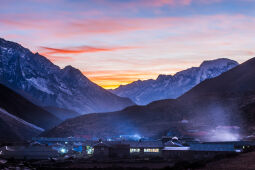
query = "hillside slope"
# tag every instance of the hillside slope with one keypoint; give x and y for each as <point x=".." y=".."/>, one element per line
<point x="20" y="107"/>
<point x="14" y="129"/>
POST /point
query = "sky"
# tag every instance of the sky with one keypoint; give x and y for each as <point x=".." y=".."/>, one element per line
<point x="116" y="42"/>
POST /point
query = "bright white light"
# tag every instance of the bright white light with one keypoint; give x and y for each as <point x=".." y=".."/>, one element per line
<point x="63" y="150"/>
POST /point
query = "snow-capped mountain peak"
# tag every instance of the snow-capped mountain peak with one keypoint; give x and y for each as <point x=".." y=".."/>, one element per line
<point x="171" y="87"/>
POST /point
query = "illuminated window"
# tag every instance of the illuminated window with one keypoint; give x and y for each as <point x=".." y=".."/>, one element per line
<point x="151" y="150"/>
<point x="89" y="150"/>
<point x="132" y="150"/>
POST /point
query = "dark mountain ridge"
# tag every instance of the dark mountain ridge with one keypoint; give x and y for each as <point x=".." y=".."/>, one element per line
<point x="239" y="80"/>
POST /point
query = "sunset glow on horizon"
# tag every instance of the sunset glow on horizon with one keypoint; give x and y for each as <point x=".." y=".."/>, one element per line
<point x="116" y="42"/>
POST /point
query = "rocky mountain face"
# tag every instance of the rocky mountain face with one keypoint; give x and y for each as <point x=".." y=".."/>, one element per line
<point x="211" y="110"/>
<point x="171" y="87"/>
<point x="45" y="84"/>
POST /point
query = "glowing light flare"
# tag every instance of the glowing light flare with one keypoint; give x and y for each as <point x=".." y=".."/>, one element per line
<point x="224" y="134"/>
<point x="63" y="150"/>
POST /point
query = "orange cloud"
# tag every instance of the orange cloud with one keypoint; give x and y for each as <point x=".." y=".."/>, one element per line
<point x="111" y="79"/>
<point x="81" y="49"/>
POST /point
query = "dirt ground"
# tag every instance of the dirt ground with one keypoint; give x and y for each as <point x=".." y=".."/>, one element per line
<point x="107" y="165"/>
<point x="245" y="161"/>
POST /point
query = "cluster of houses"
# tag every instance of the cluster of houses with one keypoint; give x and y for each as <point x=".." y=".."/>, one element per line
<point x="167" y="148"/>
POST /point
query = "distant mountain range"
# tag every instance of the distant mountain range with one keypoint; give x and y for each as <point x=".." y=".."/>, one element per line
<point x="37" y="79"/>
<point x="171" y="87"/>
<point x="225" y="102"/>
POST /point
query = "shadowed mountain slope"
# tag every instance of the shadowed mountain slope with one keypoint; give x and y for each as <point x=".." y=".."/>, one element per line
<point x="20" y="107"/>
<point x="14" y="129"/>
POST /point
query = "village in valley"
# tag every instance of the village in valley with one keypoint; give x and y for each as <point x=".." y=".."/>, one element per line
<point x="124" y="151"/>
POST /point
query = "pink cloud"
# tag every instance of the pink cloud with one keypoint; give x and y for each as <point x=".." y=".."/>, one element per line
<point x="77" y="27"/>
<point x="55" y="59"/>
<point x="179" y="2"/>
<point x="158" y="3"/>
<point x="155" y="3"/>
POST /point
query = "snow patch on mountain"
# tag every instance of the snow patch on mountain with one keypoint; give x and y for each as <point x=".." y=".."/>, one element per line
<point x="40" y="84"/>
